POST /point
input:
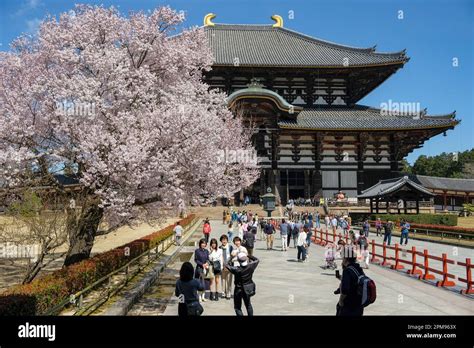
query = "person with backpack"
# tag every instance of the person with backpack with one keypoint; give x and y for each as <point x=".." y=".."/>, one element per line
<point x="187" y="292"/>
<point x="226" y="275"/>
<point x="244" y="287"/>
<point x="216" y="263"/>
<point x="269" y="230"/>
<point x="387" y="237"/>
<point x="356" y="290"/>
<point x="206" y="230"/>
<point x="249" y="241"/>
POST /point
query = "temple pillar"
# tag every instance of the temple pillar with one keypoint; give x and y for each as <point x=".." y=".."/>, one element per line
<point x="306" y="184"/>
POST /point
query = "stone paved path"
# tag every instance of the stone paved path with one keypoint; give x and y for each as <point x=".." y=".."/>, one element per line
<point x="286" y="287"/>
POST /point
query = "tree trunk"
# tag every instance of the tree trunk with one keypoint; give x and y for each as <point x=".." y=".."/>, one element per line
<point x="34" y="270"/>
<point x="82" y="233"/>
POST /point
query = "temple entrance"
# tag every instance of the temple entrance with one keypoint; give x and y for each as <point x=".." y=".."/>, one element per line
<point x="296" y="193"/>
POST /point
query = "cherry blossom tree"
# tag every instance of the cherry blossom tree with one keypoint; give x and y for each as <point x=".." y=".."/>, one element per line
<point x="118" y="101"/>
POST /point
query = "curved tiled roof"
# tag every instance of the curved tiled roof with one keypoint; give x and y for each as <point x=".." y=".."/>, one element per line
<point x="385" y="187"/>
<point x="256" y="91"/>
<point x="448" y="184"/>
<point x="265" y="45"/>
<point x="364" y="118"/>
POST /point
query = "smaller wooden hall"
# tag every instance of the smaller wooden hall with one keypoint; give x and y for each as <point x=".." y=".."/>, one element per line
<point x="396" y="195"/>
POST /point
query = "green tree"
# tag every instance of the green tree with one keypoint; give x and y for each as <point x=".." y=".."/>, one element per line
<point x="446" y="165"/>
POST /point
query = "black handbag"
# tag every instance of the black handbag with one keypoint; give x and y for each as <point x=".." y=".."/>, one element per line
<point x="217" y="267"/>
<point x="249" y="289"/>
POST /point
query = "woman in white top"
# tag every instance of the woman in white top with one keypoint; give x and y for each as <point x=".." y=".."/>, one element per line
<point x="327" y="220"/>
<point x="301" y="245"/>
<point x="240" y="231"/>
<point x="216" y="265"/>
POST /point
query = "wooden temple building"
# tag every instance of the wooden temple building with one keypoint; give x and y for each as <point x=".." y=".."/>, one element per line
<point x="299" y="96"/>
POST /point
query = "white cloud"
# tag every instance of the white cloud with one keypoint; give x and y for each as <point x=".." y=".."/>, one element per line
<point x="32" y="25"/>
<point x="26" y="6"/>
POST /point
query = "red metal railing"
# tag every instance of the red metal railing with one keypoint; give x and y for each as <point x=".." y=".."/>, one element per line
<point x="421" y="270"/>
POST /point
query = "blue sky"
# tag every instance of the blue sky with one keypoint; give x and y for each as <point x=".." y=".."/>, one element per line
<point x="433" y="33"/>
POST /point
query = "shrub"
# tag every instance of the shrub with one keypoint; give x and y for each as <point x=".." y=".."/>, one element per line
<point x="49" y="290"/>
<point x="432" y="219"/>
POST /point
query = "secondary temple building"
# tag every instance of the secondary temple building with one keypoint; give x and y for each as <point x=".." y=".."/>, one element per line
<point x="299" y="96"/>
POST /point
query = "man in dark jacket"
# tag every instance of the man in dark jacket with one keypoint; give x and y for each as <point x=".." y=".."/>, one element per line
<point x="350" y="301"/>
<point x="244" y="287"/>
<point x="249" y="240"/>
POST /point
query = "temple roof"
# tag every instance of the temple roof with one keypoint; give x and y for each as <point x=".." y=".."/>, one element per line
<point x="265" y="45"/>
<point x="391" y="186"/>
<point x="362" y="117"/>
<point x="448" y="184"/>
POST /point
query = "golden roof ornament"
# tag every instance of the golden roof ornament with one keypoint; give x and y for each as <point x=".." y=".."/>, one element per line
<point x="278" y="21"/>
<point x="208" y="20"/>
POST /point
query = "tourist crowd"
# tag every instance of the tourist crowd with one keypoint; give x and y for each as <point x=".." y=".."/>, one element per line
<point x="231" y="259"/>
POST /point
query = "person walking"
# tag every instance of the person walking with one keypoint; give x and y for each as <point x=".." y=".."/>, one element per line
<point x="378" y="226"/>
<point x="350" y="301"/>
<point x="269" y="232"/>
<point x="201" y="258"/>
<point x="249" y="241"/>
<point x="345" y="226"/>
<point x="244" y="287"/>
<point x="388" y="232"/>
<point x="291" y="225"/>
<point x="295" y="232"/>
<point x="230" y="231"/>
<point x="206" y="230"/>
<point x="240" y="230"/>
<point x="334" y="224"/>
<point x="366" y="228"/>
<point x="187" y="292"/>
<point x="317" y="219"/>
<point x="262" y="229"/>
<point x="405" y="226"/>
<point x="226" y="274"/>
<point x="284" y="235"/>
<point x="309" y="233"/>
<point x="363" y="245"/>
<point x="178" y="233"/>
<point x="216" y="263"/>
<point x="327" y="221"/>
<point x="301" y="245"/>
